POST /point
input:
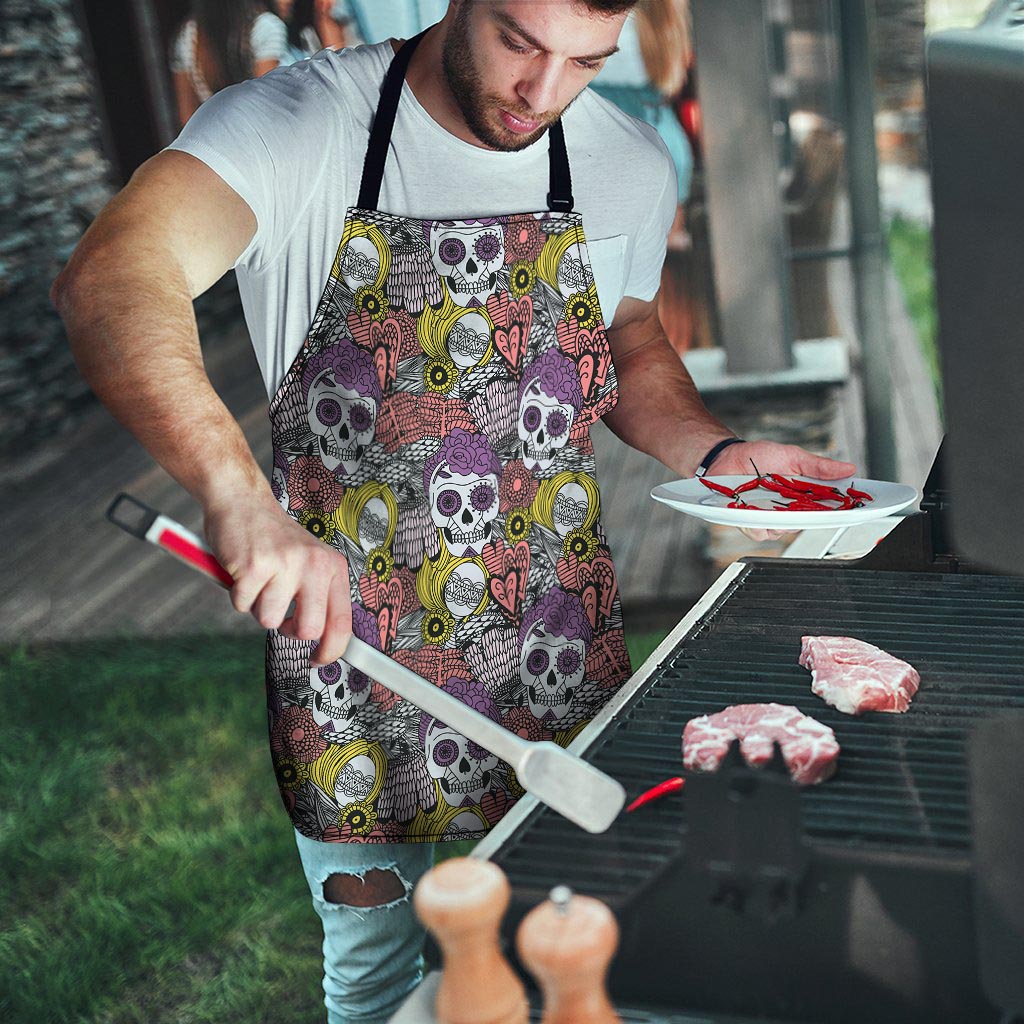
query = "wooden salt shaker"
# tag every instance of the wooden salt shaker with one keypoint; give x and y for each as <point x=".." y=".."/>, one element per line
<point x="462" y="901"/>
<point x="567" y="943"/>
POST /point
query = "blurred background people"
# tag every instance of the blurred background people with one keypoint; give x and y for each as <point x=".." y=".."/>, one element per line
<point x="647" y="74"/>
<point x="374" y="20"/>
<point x="313" y="25"/>
<point x="223" y="42"/>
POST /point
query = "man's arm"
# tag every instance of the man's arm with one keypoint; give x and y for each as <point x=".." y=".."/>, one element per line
<point x="661" y="413"/>
<point x="126" y="300"/>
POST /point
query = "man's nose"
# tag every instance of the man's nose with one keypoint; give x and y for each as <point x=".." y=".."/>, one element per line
<point x="539" y="89"/>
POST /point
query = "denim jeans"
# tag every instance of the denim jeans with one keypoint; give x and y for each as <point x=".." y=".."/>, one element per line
<point x="372" y="955"/>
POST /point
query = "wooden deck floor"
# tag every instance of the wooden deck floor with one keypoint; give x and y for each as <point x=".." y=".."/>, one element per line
<point x="70" y="574"/>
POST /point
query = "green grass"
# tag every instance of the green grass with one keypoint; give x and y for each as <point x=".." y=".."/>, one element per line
<point x="147" y="869"/>
<point x="910" y="246"/>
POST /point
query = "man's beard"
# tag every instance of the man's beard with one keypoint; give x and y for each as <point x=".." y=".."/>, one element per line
<point x="464" y="83"/>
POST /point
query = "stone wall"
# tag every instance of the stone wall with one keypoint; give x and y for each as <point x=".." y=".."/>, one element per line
<point x="54" y="178"/>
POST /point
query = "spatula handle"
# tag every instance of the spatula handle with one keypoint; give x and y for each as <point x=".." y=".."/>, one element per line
<point x="443" y="706"/>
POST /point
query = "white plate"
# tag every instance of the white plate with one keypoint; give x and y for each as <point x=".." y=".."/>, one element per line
<point x="693" y="498"/>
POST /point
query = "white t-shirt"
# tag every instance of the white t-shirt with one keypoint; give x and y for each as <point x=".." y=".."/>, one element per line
<point x="292" y="144"/>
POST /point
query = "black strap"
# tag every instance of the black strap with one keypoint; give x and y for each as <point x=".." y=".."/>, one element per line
<point x="560" y="198"/>
<point x="560" y="194"/>
<point x="383" y="123"/>
<point x="705" y="463"/>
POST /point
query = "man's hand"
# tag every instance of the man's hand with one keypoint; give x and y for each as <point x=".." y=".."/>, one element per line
<point x="771" y="457"/>
<point x="274" y="562"/>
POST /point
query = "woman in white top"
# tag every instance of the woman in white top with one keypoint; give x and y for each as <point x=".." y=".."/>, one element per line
<point x="221" y="43"/>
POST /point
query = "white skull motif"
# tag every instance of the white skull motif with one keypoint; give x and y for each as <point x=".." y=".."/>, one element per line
<point x="342" y="419"/>
<point x="468" y="340"/>
<point x="468" y="258"/>
<point x="373" y="525"/>
<point x="465" y="589"/>
<point x="551" y="668"/>
<point x="575" y="274"/>
<point x="572" y="503"/>
<point x="462" y="768"/>
<point x="355" y="780"/>
<point x="544" y="425"/>
<point x="338" y="692"/>
<point x="463" y="508"/>
<point x="359" y="263"/>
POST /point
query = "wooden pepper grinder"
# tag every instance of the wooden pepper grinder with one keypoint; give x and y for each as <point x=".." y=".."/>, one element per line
<point x="462" y="901"/>
<point x="567" y="943"/>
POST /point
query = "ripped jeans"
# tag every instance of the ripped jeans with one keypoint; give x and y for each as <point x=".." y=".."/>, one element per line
<point x="372" y="941"/>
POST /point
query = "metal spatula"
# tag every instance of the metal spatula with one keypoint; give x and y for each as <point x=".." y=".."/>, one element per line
<point x="568" y="785"/>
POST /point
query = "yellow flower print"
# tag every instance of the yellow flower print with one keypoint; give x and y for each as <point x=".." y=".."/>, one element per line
<point x="518" y="524"/>
<point x="523" y="278"/>
<point x="319" y="524"/>
<point x="440" y="375"/>
<point x="380" y="561"/>
<point x="581" y="543"/>
<point x="373" y="301"/>
<point x="359" y="817"/>
<point x="437" y="627"/>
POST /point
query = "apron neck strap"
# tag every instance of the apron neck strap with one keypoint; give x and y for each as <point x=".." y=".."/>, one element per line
<point x="560" y="198"/>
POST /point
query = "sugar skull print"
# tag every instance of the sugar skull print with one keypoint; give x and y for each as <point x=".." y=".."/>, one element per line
<point x="339" y="690"/>
<point x="461" y="768"/>
<point x="433" y="430"/>
<point x="468" y="256"/>
<point x="352" y="773"/>
<point x="554" y="638"/>
<point x="564" y="264"/>
<point x="550" y="398"/>
<point x="369" y="515"/>
<point x="461" y="481"/>
<point x="342" y="398"/>
<point x="456" y="586"/>
<point x="363" y="257"/>
<point x="567" y="502"/>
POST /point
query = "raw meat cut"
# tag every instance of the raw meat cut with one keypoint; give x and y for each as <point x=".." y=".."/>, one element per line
<point x="809" y="748"/>
<point x="855" y="677"/>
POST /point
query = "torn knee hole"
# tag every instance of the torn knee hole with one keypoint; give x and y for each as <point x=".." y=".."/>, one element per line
<point x="374" y="889"/>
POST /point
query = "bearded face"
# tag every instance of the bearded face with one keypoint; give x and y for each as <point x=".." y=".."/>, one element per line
<point x="490" y="70"/>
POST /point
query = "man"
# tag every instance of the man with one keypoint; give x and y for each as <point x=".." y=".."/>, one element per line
<point x="433" y="426"/>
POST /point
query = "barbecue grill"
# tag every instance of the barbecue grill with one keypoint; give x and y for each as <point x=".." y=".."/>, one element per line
<point x="743" y="895"/>
<point x="893" y="892"/>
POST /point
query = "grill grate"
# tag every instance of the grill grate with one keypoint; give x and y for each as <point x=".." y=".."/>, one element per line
<point x="902" y="779"/>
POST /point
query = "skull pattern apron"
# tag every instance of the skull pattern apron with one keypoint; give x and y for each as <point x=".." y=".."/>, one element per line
<point x="435" y="429"/>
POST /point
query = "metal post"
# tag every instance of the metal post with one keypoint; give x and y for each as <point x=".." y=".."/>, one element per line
<point x="868" y="239"/>
<point x="748" y="237"/>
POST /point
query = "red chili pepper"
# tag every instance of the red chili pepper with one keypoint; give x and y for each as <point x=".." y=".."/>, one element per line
<point x="749" y="485"/>
<point x="807" y="505"/>
<point x="656" y="793"/>
<point x="808" y="487"/>
<point x="720" y="488"/>
<point x="863" y="495"/>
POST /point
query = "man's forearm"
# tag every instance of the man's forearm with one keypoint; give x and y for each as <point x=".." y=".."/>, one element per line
<point x="133" y="333"/>
<point x="660" y="411"/>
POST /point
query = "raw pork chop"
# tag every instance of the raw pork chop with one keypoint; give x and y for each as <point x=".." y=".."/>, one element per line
<point x="809" y="748"/>
<point x="855" y="677"/>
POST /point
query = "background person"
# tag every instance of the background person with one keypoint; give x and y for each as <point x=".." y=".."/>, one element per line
<point x="221" y="43"/>
<point x="314" y="24"/>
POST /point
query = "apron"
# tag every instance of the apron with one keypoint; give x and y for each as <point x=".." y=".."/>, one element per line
<point x="435" y="429"/>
